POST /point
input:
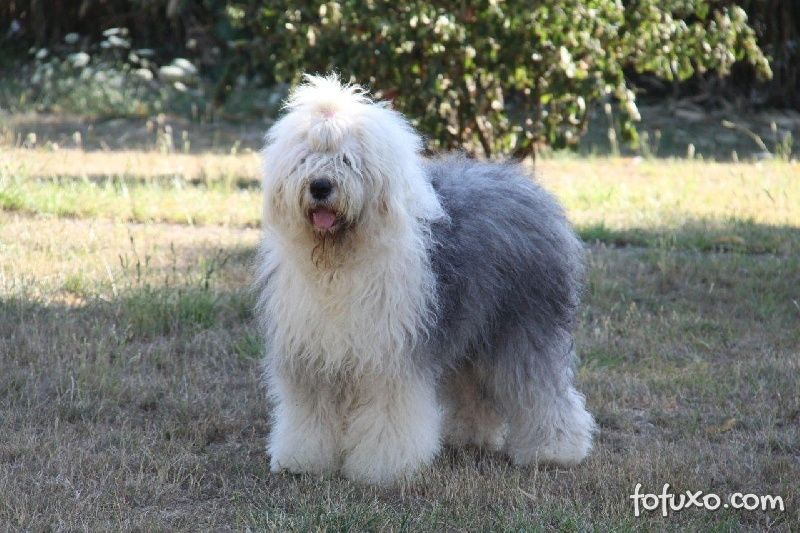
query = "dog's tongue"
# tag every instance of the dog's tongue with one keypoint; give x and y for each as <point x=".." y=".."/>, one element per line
<point x="323" y="219"/>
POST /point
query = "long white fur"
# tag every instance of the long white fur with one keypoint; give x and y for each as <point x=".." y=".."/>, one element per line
<point x="382" y="285"/>
<point x="360" y="316"/>
<point x="343" y="316"/>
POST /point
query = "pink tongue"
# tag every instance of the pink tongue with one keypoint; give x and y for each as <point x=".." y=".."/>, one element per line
<point x="323" y="218"/>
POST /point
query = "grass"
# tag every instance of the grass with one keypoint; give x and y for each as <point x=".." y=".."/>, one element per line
<point x="749" y="208"/>
<point x="129" y="375"/>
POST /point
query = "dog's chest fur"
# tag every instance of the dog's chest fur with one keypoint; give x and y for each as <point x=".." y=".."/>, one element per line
<point x="364" y="314"/>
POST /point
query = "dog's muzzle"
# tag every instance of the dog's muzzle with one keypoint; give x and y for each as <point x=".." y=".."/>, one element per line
<point x="324" y="218"/>
<point x="320" y="189"/>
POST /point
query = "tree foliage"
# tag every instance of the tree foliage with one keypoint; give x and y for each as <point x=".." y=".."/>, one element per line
<point x="506" y="75"/>
<point x="495" y="77"/>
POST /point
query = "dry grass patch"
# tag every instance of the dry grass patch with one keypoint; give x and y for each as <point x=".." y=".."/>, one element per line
<point x="752" y="208"/>
<point x="129" y="375"/>
<point x="140" y="164"/>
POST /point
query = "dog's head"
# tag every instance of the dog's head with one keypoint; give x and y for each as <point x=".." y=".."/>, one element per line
<point x="338" y="162"/>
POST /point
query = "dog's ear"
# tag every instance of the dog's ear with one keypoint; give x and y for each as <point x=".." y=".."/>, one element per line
<point x="274" y="206"/>
<point x="383" y="200"/>
<point x="385" y="192"/>
<point x="276" y="198"/>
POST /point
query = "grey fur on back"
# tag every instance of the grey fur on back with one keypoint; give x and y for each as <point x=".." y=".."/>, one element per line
<point x="509" y="273"/>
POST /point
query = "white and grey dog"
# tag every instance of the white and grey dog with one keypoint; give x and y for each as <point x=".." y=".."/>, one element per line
<point x="407" y="301"/>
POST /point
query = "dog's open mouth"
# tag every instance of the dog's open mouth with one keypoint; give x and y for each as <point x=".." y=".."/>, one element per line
<point x="324" y="219"/>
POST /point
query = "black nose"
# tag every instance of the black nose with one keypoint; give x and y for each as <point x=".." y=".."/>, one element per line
<point x="320" y="188"/>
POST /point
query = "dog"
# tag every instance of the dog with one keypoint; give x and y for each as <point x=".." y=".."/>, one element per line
<point x="406" y="302"/>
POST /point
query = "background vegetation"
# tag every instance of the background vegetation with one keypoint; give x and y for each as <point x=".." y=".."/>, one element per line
<point x="496" y="78"/>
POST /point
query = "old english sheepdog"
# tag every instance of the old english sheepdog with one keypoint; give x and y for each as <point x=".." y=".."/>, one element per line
<point x="409" y="301"/>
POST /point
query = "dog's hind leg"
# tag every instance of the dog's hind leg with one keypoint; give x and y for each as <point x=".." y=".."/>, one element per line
<point x="548" y="420"/>
<point x="471" y="413"/>
<point x="555" y="429"/>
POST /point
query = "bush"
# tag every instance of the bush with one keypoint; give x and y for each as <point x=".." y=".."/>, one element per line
<point x="495" y="77"/>
<point x="502" y="77"/>
<point x="104" y="79"/>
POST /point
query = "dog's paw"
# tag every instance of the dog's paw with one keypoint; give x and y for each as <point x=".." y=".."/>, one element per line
<point x="387" y="455"/>
<point x="306" y="457"/>
<point x="299" y="464"/>
<point x="374" y="469"/>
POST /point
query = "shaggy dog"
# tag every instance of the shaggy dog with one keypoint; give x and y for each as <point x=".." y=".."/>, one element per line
<point x="407" y="301"/>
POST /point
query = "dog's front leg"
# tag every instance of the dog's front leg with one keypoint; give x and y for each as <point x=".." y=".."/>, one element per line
<point x="306" y="427"/>
<point x="392" y="429"/>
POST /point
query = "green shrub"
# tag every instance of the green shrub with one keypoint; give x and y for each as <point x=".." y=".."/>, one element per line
<point x="501" y="77"/>
<point x="102" y="79"/>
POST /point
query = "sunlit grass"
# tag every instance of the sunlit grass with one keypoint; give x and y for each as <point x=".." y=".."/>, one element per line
<point x="624" y="193"/>
<point x="752" y="208"/>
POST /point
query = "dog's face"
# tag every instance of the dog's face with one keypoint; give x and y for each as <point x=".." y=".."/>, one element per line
<point x="322" y="195"/>
<point x="328" y="189"/>
<point x="317" y="180"/>
<point x="338" y="163"/>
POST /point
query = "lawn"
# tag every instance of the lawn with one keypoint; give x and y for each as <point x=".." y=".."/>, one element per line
<point x="129" y="377"/>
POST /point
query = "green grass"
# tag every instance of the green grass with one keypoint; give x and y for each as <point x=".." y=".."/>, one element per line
<point x="135" y="202"/>
<point x="684" y="205"/>
<point x="130" y="392"/>
<point x="721" y="235"/>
